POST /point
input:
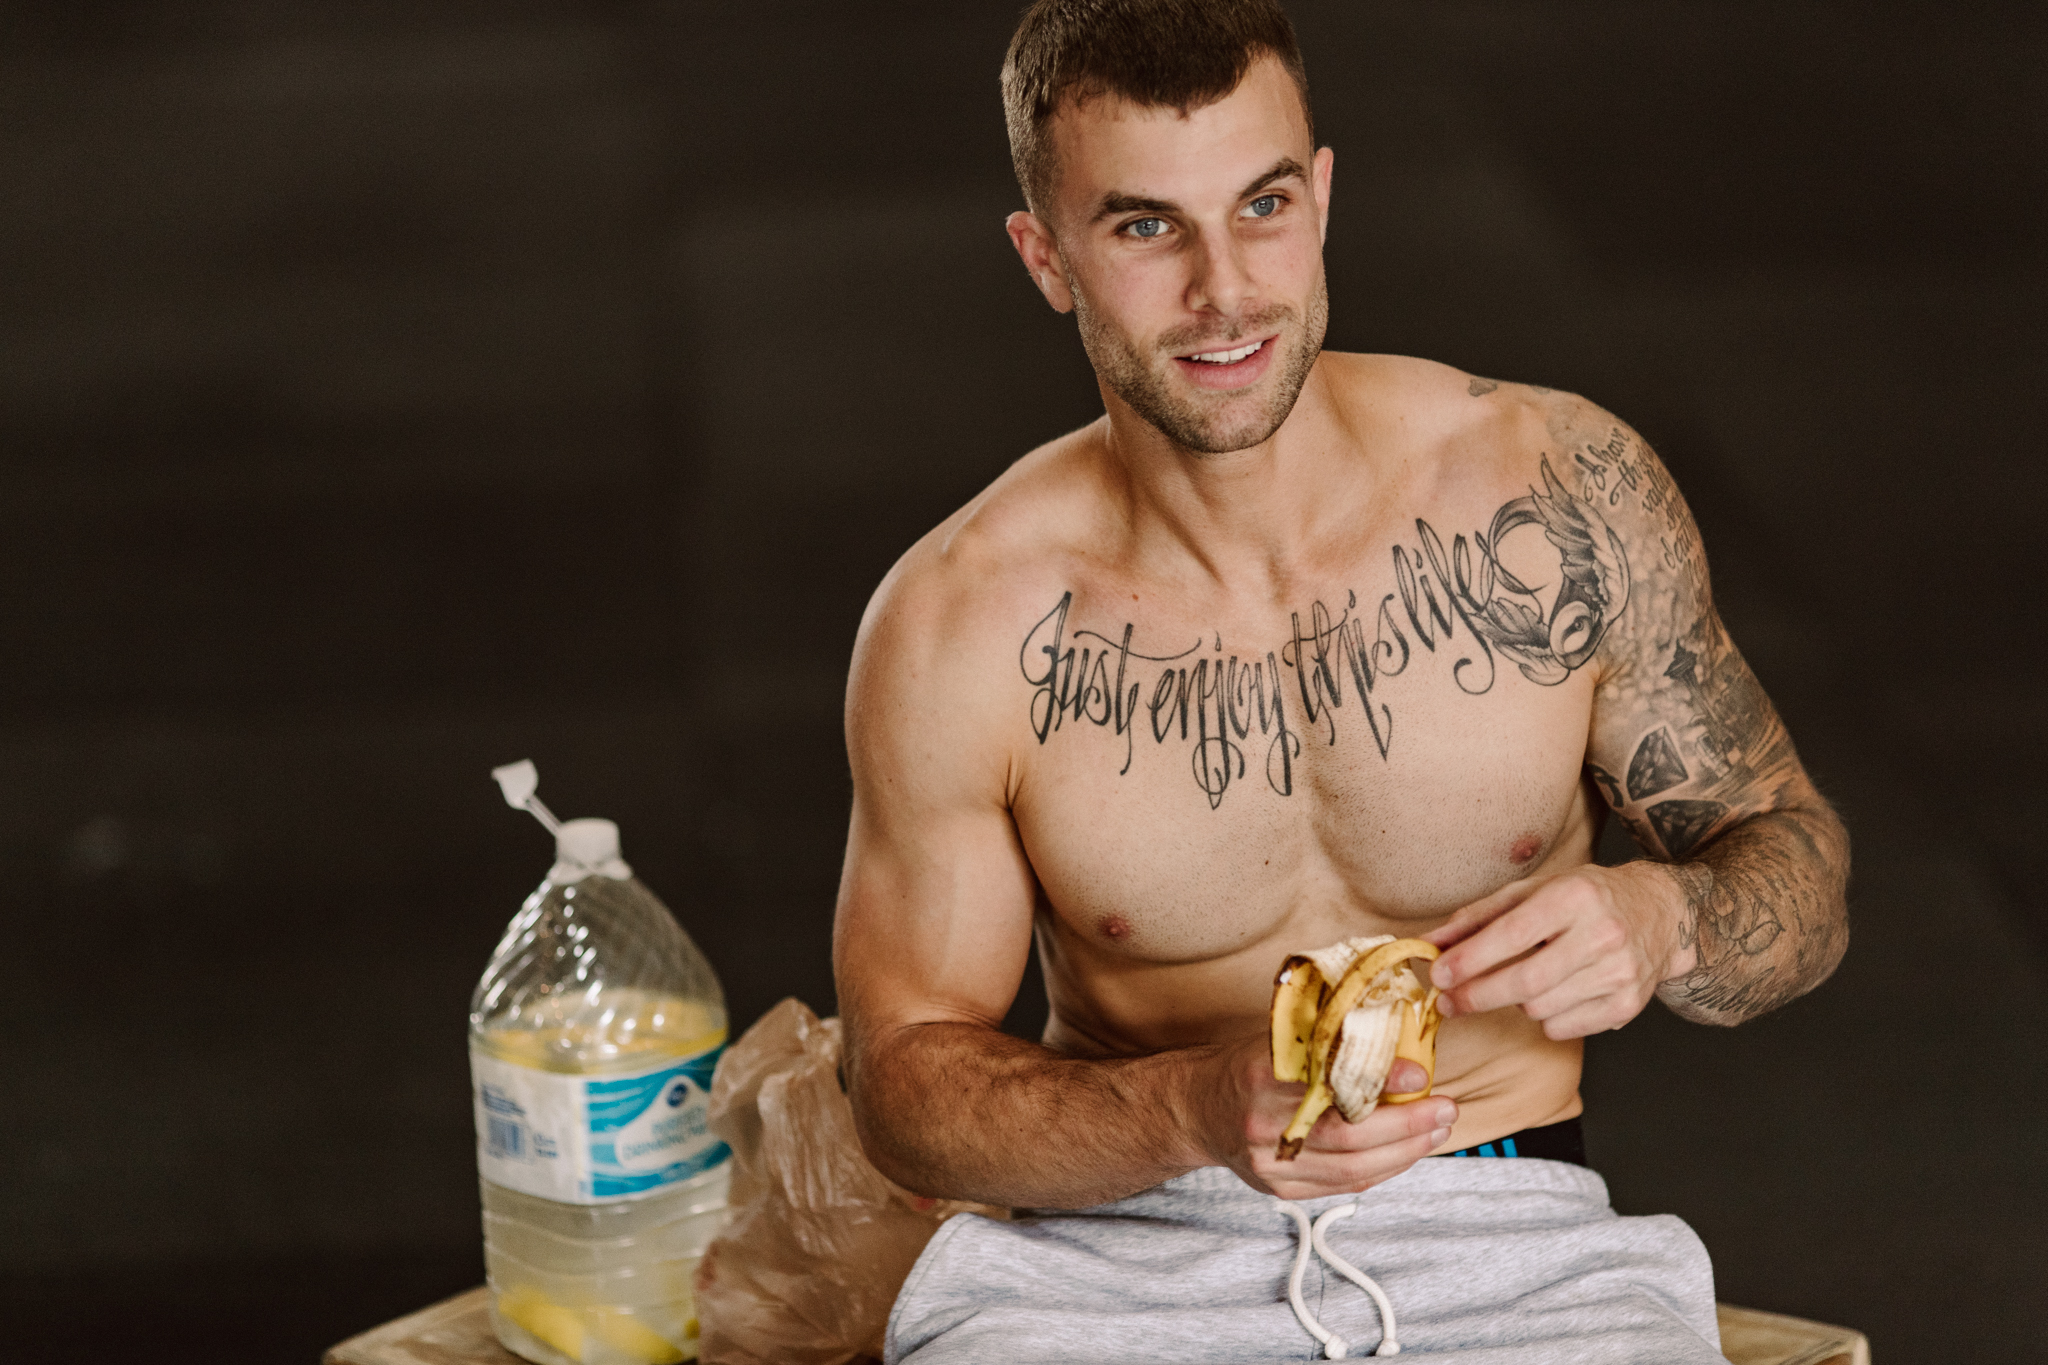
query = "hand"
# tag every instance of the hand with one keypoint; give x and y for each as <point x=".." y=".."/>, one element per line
<point x="1245" y="1110"/>
<point x="1581" y="952"/>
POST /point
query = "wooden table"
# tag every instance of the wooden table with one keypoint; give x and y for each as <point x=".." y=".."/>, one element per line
<point x="458" y="1332"/>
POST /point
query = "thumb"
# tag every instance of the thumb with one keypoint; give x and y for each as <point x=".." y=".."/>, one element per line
<point x="1405" y="1078"/>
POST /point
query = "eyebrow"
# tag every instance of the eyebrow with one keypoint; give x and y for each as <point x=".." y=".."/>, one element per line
<point x="1114" y="204"/>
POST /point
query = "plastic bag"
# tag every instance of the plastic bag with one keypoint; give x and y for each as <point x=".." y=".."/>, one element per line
<point x="818" y="1242"/>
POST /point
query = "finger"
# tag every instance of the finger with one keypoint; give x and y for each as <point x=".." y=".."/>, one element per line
<point x="1552" y="965"/>
<point x="1590" y="1017"/>
<point x="1389" y="1123"/>
<point x="1406" y="1077"/>
<point x="1350" y="1173"/>
<point x="1605" y="975"/>
<point x="1340" y="1156"/>
<point x="1543" y="914"/>
<point x="1472" y="918"/>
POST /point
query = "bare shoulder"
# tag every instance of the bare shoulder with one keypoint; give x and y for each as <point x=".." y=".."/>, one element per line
<point x="995" y="553"/>
<point x="944" y="618"/>
<point x="1562" y="529"/>
<point x="1481" y="435"/>
<point x="1504" y="436"/>
<point x="1599" y="485"/>
<point x="1604" y="464"/>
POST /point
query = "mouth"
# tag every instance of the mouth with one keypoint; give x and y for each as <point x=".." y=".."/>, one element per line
<point x="1229" y="367"/>
<point x="1228" y="357"/>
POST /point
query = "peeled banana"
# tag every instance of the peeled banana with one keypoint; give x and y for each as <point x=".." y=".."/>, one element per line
<point x="1342" y="1016"/>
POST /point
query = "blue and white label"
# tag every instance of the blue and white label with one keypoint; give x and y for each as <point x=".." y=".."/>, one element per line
<point x="594" y="1139"/>
<point x="651" y="1130"/>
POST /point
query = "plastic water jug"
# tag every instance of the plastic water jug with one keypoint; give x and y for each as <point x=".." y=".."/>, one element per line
<point x="592" y="1040"/>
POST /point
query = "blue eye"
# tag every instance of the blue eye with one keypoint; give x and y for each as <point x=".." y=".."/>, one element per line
<point x="1147" y="227"/>
<point x="1265" y="206"/>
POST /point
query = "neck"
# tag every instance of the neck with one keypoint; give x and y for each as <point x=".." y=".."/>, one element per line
<point x="1257" y="514"/>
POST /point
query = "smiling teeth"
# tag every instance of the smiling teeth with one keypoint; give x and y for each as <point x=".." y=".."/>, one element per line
<point x="1227" y="357"/>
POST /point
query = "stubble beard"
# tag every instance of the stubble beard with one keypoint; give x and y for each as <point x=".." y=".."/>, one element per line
<point x="1183" y="417"/>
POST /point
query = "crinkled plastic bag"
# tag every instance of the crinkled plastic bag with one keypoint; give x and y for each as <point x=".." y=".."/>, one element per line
<point x="818" y="1242"/>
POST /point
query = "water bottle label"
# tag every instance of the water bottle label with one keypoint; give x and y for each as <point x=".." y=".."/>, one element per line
<point x="593" y="1139"/>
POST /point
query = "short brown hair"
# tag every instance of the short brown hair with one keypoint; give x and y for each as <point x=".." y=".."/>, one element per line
<point x="1179" y="54"/>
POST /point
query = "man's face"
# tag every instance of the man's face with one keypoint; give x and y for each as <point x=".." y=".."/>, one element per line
<point x="1192" y="250"/>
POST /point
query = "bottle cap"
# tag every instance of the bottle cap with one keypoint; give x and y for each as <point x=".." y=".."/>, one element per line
<point x="583" y="847"/>
<point x="518" y="781"/>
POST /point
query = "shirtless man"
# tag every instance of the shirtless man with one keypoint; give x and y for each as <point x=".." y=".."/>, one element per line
<point x="1288" y="646"/>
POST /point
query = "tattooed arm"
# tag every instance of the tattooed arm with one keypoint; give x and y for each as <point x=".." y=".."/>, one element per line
<point x="1741" y="906"/>
<point x="1691" y="754"/>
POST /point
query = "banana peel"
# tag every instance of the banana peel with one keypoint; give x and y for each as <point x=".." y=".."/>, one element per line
<point x="1335" y="1013"/>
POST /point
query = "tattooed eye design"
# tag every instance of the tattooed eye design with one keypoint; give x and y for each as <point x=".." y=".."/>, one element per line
<point x="1571" y="627"/>
<point x="1592" y="594"/>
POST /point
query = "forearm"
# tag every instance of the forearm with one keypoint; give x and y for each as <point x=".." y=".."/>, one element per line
<point x="961" y="1111"/>
<point x="1764" y="915"/>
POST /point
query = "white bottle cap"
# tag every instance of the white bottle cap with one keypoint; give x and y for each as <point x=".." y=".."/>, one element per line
<point x="583" y="847"/>
<point x="518" y="781"/>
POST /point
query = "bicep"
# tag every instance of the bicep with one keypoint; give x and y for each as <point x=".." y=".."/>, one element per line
<point x="1684" y="742"/>
<point x="936" y="898"/>
<point x="935" y="913"/>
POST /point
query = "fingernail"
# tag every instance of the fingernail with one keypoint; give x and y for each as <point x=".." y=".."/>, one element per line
<point x="1447" y="1112"/>
<point x="1439" y="1137"/>
<point x="1440" y="976"/>
<point x="1446" y="1006"/>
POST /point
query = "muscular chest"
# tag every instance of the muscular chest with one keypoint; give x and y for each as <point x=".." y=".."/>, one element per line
<point x="1188" y="785"/>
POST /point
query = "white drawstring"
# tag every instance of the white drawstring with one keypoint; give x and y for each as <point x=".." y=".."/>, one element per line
<point x="1334" y="1346"/>
<point x="1389" y="1345"/>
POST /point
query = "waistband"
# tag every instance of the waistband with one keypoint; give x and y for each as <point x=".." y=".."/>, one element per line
<point x="1564" y="1141"/>
<point x="1436" y="1175"/>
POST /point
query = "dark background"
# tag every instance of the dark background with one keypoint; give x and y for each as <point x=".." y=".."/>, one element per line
<point x="390" y="390"/>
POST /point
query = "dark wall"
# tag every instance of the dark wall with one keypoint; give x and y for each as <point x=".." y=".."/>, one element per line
<point x="389" y="391"/>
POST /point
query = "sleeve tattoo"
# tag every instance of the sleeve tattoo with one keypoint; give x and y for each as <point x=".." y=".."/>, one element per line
<point x="1692" y="756"/>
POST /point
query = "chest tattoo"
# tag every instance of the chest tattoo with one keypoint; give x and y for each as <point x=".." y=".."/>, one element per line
<point x="1462" y="601"/>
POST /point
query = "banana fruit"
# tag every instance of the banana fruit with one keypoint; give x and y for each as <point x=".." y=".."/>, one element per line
<point x="1342" y="1016"/>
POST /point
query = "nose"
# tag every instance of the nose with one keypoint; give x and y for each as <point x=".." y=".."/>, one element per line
<point x="1222" y="284"/>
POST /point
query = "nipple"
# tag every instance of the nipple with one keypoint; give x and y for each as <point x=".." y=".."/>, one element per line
<point x="1115" y="928"/>
<point x="1525" y="849"/>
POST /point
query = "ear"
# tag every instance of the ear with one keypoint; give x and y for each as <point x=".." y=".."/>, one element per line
<point x="1325" y="163"/>
<point x="1041" y="256"/>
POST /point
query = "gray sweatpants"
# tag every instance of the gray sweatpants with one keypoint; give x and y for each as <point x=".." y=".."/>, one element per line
<point x="1484" y="1261"/>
